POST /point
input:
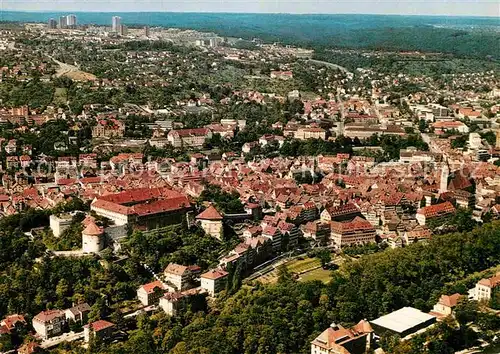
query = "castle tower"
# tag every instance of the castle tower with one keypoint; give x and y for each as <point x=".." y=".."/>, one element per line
<point x="92" y="238"/>
<point x="211" y="222"/>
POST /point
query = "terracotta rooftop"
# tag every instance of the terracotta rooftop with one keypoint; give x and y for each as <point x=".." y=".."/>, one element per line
<point x="437" y="210"/>
<point x="100" y="325"/>
<point x="492" y="282"/>
<point x="450" y="301"/>
<point x="357" y="224"/>
<point x="209" y="214"/>
<point x="49" y="315"/>
<point x="176" y="269"/>
<point x="214" y="274"/>
<point x="92" y="229"/>
<point x="150" y="287"/>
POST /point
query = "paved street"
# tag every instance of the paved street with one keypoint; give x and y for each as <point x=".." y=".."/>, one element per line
<point x="65" y="337"/>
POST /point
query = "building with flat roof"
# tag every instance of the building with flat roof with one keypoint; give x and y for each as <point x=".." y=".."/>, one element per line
<point x="116" y="23"/>
<point x="403" y="322"/>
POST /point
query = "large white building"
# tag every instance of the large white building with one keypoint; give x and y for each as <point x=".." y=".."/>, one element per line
<point x="71" y="21"/>
<point x="484" y="288"/>
<point x="59" y="223"/>
<point x="116" y="24"/>
<point x="179" y="276"/>
<point x="214" y="281"/>
<point x="49" y="323"/>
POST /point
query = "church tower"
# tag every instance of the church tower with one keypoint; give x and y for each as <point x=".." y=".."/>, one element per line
<point x="445" y="173"/>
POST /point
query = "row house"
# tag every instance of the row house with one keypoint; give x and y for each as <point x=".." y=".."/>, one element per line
<point x="300" y="214"/>
<point x="122" y="160"/>
<point x="12" y="162"/>
<point x="289" y="232"/>
<point x="274" y="234"/>
<point x="252" y="252"/>
<point x="269" y="139"/>
<point x="417" y="234"/>
<point x="258" y="250"/>
<point x="88" y="160"/>
<point x="11" y="147"/>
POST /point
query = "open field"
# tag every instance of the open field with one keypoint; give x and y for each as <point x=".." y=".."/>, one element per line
<point x="297" y="266"/>
<point x="321" y="274"/>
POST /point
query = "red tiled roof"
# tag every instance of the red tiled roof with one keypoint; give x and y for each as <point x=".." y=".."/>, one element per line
<point x="176" y="269"/>
<point x="356" y="224"/>
<point x="209" y="214"/>
<point x="437" y="209"/>
<point x="492" y="282"/>
<point x="49" y="315"/>
<point x="11" y="321"/>
<point x="190" y="132"/>
<point x="450" y="301"/>
<point x="150" y="287"/>
<point x="214" y="274"/>
<point x="92" y="229"/>
<point x="100" y="325"/>
<point x="161" y="206"/>
<point x="113" y="207"/>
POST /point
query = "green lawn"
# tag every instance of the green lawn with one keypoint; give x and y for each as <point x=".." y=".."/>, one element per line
<point x="317" y="274"/>
<point x="298" y="266"/>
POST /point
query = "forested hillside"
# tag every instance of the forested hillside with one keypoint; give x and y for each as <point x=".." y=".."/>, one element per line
<point x="284" y="317"/>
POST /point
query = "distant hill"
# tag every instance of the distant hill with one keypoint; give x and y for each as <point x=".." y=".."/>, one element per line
<point x="474" y="37"/>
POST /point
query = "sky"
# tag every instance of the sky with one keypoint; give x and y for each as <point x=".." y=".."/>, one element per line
<point x="403" y="7"/>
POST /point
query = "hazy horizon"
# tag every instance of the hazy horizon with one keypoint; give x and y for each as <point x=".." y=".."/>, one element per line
<point x="69" y="12"/>
<point x="456" y="8"/>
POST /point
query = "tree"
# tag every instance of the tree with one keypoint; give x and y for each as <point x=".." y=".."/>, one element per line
<point x="284" y="274"/>
<point x="495" y="299"/>
<point x="325" y="257"/>
<point x="466" y="311"/>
